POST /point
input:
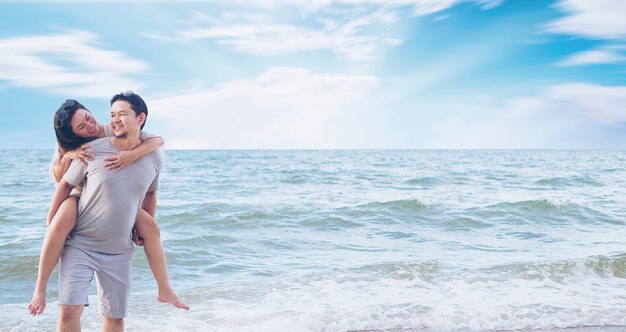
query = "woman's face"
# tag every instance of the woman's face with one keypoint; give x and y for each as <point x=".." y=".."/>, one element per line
<point x="84" y="124"/>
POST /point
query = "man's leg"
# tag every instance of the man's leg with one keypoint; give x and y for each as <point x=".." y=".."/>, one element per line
<point x="113" y="279"/>
<point x="110" y="324"/>
<point x="75" y="274"/>
<point x="69" y="318"/>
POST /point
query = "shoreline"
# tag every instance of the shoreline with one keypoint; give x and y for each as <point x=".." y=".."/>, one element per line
<point x="607" y="328"/>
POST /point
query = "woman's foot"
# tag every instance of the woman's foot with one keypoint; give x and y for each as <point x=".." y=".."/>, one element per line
<point x="170" y="297"/>
<point x="38" y="303"/>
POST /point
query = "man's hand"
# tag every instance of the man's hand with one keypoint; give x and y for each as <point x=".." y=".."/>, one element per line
<point x="136" y="238"/>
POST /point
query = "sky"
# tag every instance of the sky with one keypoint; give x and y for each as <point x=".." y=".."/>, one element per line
<point x="324" y="74"/>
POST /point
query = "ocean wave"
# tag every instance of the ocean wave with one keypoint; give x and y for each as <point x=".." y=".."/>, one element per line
<point x="424" y="270"/>
<point x="306" y="175"/>
<point x="544" y="211"/>
<point x="295" y="179"/>
<point x="13" y="184"/>
<point x="177" y="211"/>
<point x="526" y="235"/>
<point x="34" y="185"/>
<point x="541" y="205"/>
<point x="403" y="205"/>
<point x="464" y="223"/>
<point x="570" y="181"/>
<point x="245" y="216"/>
<point x="217" y="216"/>
<point x="396" y="235"/>
<point x="19" y="267"/>
<point x="423" y="181"/>
<point x="387" y="212"/>
<point x="599" y="266"/>
<point x="192" y="240"/>
<point x="329" y="223"/>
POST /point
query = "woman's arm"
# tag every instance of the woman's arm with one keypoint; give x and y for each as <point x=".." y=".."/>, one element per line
<point x="60" y="167"/>
<point x="125" y="158"/>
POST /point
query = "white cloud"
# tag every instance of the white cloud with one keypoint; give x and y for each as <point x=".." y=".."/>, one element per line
<point x="296" y="108"/>
<point x="71" y="64"/>
<point x="490" y="4"/>
<point x="597" y="104"/>
<point x="351" y="29"/>
<point x="562" y="116"/>
<point x="597" y="19"/>
<point x="263" y="36"/>
<point x="281" y="108"/>
<point x="599" y="56"/>
<point x="419" y="6"/>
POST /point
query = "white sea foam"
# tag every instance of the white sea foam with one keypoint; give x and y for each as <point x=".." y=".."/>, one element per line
<point x="346" y="303"/>
<point x="470" y="300"/>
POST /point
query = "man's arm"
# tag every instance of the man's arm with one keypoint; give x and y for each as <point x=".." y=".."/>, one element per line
<point x="60" y="194"/>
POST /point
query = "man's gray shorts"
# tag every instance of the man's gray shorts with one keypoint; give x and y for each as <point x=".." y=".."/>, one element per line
<point x="113" y="277"/>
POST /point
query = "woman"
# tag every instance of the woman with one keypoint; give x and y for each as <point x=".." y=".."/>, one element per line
<point x="75" y="126"/>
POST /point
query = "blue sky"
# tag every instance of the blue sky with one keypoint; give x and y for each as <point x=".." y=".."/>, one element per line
<point x="324" y="73"/>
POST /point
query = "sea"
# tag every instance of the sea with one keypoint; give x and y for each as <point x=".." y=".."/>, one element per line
<point x="355" y="240"/>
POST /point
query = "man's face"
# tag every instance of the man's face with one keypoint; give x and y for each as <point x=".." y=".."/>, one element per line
<point x="124" y="122"/>
<point x="84" y="124"/>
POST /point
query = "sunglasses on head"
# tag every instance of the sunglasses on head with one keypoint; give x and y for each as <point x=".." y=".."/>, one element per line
<point x="61" y="114"/>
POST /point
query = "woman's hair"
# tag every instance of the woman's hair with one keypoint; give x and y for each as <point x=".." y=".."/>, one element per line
<point x="63" y="125"/>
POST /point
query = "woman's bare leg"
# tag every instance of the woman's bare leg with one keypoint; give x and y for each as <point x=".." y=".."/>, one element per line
<point x="53" y="243"/>
<point x="151" y="234"/>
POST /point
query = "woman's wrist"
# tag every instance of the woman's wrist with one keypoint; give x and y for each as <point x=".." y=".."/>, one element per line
<point x="135" y="155"/>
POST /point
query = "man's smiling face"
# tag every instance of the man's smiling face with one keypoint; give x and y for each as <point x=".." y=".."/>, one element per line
<point x="124" y="121"/>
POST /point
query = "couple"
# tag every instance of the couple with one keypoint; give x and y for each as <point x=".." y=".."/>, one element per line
<point x="116" y="180"/>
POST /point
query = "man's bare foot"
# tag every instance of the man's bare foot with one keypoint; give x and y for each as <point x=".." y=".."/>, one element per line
<point x="171" y="298"/>
<point x="38" y="303"/>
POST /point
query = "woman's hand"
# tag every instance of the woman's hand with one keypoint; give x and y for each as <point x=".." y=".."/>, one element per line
<point x="80" y="154"/>
<point x="120" y="160"/>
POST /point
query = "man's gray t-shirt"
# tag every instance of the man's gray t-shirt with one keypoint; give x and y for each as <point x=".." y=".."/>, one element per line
<point x="110" y="201"/>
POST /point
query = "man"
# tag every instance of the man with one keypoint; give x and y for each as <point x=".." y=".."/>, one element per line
<point x="100" y="244"/>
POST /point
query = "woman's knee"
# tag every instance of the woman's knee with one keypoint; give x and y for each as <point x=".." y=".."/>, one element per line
<point x="147" y="226"/>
